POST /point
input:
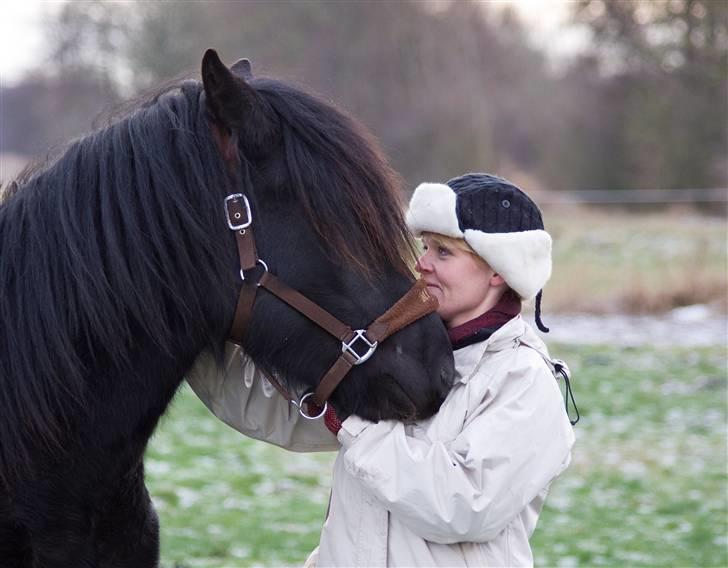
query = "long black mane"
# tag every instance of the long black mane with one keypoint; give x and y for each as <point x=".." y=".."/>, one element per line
<point x="128" y="222"/>
<point x="86" y="257"/>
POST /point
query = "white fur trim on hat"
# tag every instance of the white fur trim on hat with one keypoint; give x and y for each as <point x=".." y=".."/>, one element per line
<point x="432" y="210"/>
<point x="522" y="258"/>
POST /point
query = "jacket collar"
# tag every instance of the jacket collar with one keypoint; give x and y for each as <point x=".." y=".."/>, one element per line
<point x="508" y="336"/>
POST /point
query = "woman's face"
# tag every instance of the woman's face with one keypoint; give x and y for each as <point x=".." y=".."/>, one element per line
<point x="465" y="286"/>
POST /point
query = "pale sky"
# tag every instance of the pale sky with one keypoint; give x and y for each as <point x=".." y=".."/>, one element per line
<point x="22" y="35"/>
<point x="23" y="43"/>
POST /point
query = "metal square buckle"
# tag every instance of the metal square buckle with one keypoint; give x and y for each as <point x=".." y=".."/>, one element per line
<point x="348" y="346"/>
<point x="249" y="217"/>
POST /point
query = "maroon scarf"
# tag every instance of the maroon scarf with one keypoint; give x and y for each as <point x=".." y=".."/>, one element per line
<point x="482" y="327"/>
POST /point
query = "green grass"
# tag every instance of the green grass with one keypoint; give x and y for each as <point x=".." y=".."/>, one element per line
<point x="647" y="485"/>
<point x="227" y="501"/>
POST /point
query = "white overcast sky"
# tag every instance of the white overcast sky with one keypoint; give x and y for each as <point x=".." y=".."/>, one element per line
<point x="21" y="34"/>
<point x="23" y="44"/>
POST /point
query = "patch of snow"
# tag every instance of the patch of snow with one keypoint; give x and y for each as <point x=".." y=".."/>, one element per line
<point x="698" y="312"/>
<point x="691" y="326"/>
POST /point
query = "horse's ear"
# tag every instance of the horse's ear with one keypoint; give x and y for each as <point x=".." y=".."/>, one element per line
<point x="228" y="96"/>
<point x="235" y="105"/>
<point x="243" y="69"/>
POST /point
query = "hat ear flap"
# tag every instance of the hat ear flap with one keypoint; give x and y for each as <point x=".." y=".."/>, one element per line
<point x="522" y="258"/>
<point x="433" y="209"/>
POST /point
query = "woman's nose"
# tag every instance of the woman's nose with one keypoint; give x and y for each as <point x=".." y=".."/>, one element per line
<point x="422" y="265"/>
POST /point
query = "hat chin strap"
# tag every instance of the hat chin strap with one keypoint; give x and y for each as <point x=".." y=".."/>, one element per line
<point x="539" y="323"/>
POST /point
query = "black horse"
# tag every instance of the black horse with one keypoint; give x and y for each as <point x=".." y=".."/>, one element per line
<point x="117" y="269"/>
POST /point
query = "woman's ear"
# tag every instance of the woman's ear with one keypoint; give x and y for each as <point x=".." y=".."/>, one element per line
<point x="497" y="280"/>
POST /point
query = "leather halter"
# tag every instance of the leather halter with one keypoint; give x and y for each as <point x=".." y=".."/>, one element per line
<point x="416" y="303"/>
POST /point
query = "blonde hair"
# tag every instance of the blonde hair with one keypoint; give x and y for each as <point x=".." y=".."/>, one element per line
<point x="453" y="243"/>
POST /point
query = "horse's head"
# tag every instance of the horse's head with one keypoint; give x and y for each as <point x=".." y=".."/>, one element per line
<point x="328" y="223"/>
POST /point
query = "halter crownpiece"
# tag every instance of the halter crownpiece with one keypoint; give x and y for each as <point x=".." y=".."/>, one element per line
<point x="357" y="346"/>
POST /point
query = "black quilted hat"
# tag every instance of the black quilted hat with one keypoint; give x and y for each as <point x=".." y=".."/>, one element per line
<point x="499" y="222"/>
<point x="493" y="205"/>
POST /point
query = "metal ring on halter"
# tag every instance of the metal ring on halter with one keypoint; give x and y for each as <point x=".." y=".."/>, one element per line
<point x="263" y="264"/>
<point x="299" y="404"/>
<point x="265" y="268"/>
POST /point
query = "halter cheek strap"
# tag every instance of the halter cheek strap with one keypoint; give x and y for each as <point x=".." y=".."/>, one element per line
<point x="357" y="345"/>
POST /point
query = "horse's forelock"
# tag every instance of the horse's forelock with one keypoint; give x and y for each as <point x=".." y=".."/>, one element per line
<point x="341" y="179"/>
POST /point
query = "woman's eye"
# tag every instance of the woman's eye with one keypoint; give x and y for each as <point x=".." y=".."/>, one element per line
<point x="442" y="251"/>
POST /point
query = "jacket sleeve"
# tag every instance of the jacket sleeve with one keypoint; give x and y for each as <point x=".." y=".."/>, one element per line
<point x="239" y="395"/>
<point x="469" y="488"/>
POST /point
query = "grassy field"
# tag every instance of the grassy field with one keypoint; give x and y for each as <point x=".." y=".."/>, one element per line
<point x="647" y="486"/>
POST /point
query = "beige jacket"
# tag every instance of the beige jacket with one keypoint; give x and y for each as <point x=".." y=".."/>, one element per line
<point x="464" y="488"/>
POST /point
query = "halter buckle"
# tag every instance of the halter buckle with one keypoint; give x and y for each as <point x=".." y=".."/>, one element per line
<point x="249" y="217"/>
<point x="347" y="346"/>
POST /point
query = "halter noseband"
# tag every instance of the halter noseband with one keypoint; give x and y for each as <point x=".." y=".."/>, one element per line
<point x="357" y="346"/>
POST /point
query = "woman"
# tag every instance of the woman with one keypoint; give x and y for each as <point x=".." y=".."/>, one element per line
<point x="465" y="487"/>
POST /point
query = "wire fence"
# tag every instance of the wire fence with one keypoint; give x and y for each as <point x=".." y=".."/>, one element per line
<point x="636" y="196"/>
<point x="11" y="164"/>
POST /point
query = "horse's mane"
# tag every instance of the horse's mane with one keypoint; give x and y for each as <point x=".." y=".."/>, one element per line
<point x="87" y="241"/>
